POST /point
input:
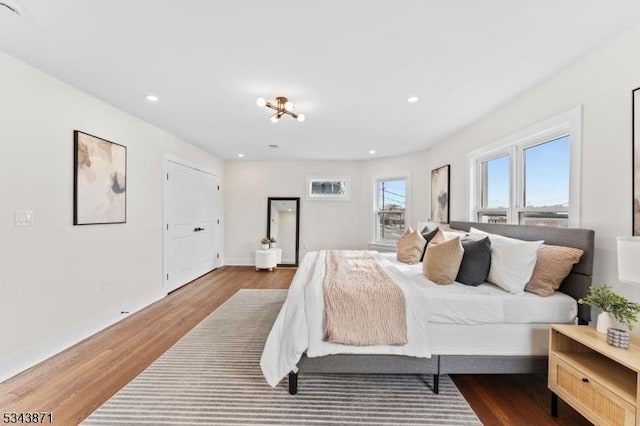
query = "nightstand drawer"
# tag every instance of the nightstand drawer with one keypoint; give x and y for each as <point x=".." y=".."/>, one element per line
<point x="588" y="396"/>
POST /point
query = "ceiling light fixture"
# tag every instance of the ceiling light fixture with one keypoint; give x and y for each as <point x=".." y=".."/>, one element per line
<point x="413" y="99"/>
<point x="281" y="106"/>
<point x="13" y="6"/>
<point x="152" y="98"/>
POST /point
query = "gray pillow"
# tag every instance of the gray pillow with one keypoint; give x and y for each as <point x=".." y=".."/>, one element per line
<point x="476" y="261"/>
<point x="427" y="235"/>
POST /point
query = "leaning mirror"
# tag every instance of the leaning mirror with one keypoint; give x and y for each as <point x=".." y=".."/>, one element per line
<point x="283" y="224"/>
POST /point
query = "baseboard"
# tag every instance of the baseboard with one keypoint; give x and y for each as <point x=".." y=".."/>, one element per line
<point x="239" y="261"/>
<point x="43" y="349"/>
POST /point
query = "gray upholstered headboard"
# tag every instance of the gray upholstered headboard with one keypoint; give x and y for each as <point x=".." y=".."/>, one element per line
<point x="577" y="283"/>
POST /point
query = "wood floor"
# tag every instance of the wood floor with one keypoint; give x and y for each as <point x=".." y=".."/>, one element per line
<point x="75" y="382"/>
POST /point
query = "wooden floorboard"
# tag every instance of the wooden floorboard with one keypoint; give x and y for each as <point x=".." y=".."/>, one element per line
<point x="513" y="399"/>
<point x="78" y="380"/>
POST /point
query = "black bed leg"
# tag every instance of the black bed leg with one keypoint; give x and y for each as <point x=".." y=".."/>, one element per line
<point x="293" y="383"/>
<point x="554" y="405"/>
<point x="436" y="384"/>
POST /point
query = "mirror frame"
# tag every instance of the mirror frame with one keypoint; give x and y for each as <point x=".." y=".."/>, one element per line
<point x="297" y="200"/>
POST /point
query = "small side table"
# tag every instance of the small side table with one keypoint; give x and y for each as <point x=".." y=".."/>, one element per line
<point x="600" y="381"/>
<point x="268" y="259"/>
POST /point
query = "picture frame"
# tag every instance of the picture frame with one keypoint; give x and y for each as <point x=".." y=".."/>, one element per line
<point x="328" y="188"/>
<point x="440" y="188"/>
<point x="99" y="180"/>
<point x="635" y="155"/>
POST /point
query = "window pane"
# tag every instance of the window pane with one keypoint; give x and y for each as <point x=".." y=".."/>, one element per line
<point x="559" y="220"/>
<point x="546" y="169"/>
<point x="496" y="187"/>
<point x="492" y="217"/>
<point x="392" y="202"/>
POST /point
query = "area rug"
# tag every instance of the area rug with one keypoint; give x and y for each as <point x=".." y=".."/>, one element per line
<point x="212" y="376"/>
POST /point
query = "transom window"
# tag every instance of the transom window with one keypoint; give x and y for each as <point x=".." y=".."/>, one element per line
<point x="390" y="208"/>
<point x="531" y="178"/>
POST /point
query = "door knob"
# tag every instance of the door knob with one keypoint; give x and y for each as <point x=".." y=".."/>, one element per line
<point x="198" y="229"/>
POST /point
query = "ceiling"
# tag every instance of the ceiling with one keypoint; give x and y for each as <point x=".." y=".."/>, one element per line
<point x="349" y="66"/>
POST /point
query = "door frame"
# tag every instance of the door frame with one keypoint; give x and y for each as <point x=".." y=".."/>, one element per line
<point x="165" y="170"/>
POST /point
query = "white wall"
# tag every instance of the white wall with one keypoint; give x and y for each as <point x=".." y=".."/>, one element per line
<point x="323" y="224"/>
<point x="60" y="283"/>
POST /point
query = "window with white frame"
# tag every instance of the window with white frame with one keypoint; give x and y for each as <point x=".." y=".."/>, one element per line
<point x="390" y="208"/>
<point x="532" y="177"/>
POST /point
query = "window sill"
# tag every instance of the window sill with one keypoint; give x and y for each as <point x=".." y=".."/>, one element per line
<point x="382" y="246"/>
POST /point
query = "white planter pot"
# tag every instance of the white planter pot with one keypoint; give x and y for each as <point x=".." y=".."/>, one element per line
<point x="605" y="321"/>
<point x="266" y="247"/>
<point x="272" y="245"/>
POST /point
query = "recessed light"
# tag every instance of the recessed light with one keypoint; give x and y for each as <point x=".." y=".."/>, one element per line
<point x="413" y="99"/>
<point x="241" y="155"/>
<point x="152" y="98"/>
<point x="372" y="151"/>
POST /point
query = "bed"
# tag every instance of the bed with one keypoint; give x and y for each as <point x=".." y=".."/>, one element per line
<point x="507" y="333"/>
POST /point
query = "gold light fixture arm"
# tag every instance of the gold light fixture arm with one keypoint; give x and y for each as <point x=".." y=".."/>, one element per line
<point x="280" y="108"/>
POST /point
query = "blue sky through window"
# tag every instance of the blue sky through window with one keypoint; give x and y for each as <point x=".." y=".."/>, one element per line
<point x="395" y="192"/>
<point x="546" y="176"/>
<point x="498" y="183"/>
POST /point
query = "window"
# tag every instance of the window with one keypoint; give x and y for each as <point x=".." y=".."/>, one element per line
<point x="531" y="178"/>
<point x="495" y="193"/>
<point x="390" y="208"/>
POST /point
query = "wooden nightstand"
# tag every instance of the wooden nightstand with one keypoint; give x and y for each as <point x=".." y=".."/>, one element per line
<point x="600" y="381"/>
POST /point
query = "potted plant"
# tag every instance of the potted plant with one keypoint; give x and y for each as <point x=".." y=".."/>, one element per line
<point x="265" y="243"/>
<point x="613" y="307"/>
<point x="272" y="242"/>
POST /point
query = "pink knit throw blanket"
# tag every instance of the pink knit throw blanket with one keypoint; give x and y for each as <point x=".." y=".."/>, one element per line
<point x="363" y="305"/>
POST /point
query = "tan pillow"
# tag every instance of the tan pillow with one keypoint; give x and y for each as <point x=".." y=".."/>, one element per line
<point x="442" y="260"/>
<point x="552" y="266"/>
<point x="410" y="246"/>
<point x="439" y="238"/>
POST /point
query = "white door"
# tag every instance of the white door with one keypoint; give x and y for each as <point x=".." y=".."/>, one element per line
<point x="190" y="224"/>
<point x="206" y="219"/>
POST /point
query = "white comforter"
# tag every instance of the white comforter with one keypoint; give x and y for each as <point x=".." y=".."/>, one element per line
<point x="299" y="325"/>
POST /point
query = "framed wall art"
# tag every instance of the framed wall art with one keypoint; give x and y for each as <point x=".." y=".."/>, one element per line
<point x="99" y="180"/>
<point x="329" y="188"/>
<point x="440" y="194"/>
<point x="636" y="160"/>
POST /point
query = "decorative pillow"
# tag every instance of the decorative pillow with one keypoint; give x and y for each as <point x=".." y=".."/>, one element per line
<point x="428" y="236"/>
<point x="452" y="233"/>
<point x="476" y="261"/>
<point x="410" y="246"/>
<point x="512" y="261"/>
<point x="553" y="265"/>
<point x="442" y="260"/>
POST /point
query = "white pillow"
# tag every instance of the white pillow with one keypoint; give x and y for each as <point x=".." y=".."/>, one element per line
<point x="512" y="261"/>
<point x="451" y="234"/>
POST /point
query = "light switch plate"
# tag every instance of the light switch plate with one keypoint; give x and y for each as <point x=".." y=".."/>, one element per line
<point x="24" y="218"/>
